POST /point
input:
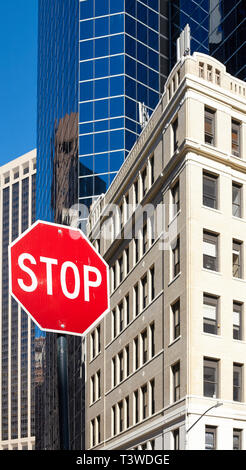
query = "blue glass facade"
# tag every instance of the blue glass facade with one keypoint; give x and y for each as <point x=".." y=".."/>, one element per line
<point x="122" y="62"/>
<point x="217" y="28"/>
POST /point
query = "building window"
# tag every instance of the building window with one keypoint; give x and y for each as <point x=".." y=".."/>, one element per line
<point x="236" y="200"/>
<point x="136" y="361"/>
<point x="237" y="439"/>
<point x="121" y="270"/>
<point x="210" y="190"/>
<point x="145" y="239"/>
<point x="114" y="324"/>
<point x="136" y="192"/>
<point x="93" y="433"/>
<point x="144" y="182"/>
<point x="209" y="126"/>
<point x="152" y="396"/>
<point x="237" y="382"/>
<point x="121" y="366"/>
<point x="121" y="316"/>
<point x="136" y="241"/>
<point x="175" y="199"/>
<point x="144" y="341"/>
<point x="121" y="416"/>
<point x="235" y="138"/>
<point x="210" y="378"/>
<point x="237" y="259"/>
<point x="176" y="258"/>
<point x="144" y="401"/>
<point x="152" y="174"/>
<point x="93" y="345"/>
<point x="210" y="314"/>
<point x="152" y="339"/>
<point x="136" y="406"/>
<point x="176" y="381"/>
<point x="127" y="260"/>
<point x="237" y="320"/>
<point x="114" y="372"/>
<point x="175" y="134"/>
<point x="176" y="439"/>
<point x="127" y="360"/>
<point x="98" y="429"/>
<point x="127" y="307"/>
<point x="144" y="285"/>
<point x="127" y="412"/>
<point x="113" y="420"/>
<point x="209" y="73"/>
<point x="210" y="438"/>
<point x="136" y="299"/>
<point x="176" y="319"/>
<point x="210" y="251"/>
<point x="217" y="77"/>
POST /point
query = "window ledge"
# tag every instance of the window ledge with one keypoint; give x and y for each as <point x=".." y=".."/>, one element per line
<point x="174" y="217"/>
<point x="217" y="211"/>
<point x="174" y="341"/>
<point x="174" y="279"/>
<point x="212" y="335"/>
<point x="218" y="273"/>
<point x="238" y="279"/>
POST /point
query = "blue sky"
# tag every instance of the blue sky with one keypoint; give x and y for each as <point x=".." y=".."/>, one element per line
<point x="18" y="77"/>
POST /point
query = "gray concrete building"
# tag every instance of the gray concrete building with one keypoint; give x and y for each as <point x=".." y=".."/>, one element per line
<point x="172" y="228"/>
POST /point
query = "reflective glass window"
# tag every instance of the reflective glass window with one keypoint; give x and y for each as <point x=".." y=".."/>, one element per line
<point x="101" y="7"/>
<point x="153" y="40"/>
<point x="142" y="33"/>
<point x="101" y="163"/>
<point x="130" y="140"/>
<point x="101" y="109"/>
<point x="101" y="47"/>
<point x="86" y="29"/>
<point x="117" y="85"/>
<point x="116" y="107"/>
<point x="130" y="88"/>
<point x="86" y="128"/>
<point x="86" y="50"/>
<point x="130" y="46"/>
<point x="116" y="6"/>
<point x="86" y="186"/>
<point x="142" y="72"/>
<point x="154" y="79"/>
<point x="141" y="52"/>
<point x="153" y="19"/>
<point x="86" y="9"/>
<point x="130" y="26"/>
<point x="101" y="125"/>
<point x="116" y="123"/>
<point x="130" y="7"/>
<point x="86" y="165"/>
<point x="86" y="111"/>
<point x="116" y="160"/>
<point x="142" y="12"/>
<point x="153" y="59"/>
<point x="131" y="108"/>
<point x="130" y="65"/>
<point x="102" y="26"/>
<point x="86" y="91"/>
<point x="101" y="183"/>
<point x="101" y="88"/>
<point x="101" y="142"/>
<point x="86" y="144"/>
<point x="116" y="24"/>
<point x="117" y="44"/>
<point x="86" y="70"/>
<point x="116" y="139"/>
<point x="101" y="67"/>
<point x="116" y="65"/>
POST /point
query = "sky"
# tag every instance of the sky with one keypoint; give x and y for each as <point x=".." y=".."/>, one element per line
<point x="18" y="77"/>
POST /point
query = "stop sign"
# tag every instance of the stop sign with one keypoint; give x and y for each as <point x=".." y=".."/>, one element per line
<point x="58" y="278"/>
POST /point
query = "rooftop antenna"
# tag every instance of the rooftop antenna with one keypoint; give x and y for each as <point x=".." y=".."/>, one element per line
<point x="143" y="114"/>
<point x="183" y="43"/>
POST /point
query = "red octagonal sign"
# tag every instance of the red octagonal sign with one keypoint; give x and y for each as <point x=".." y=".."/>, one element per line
<point x="58" y="278"/>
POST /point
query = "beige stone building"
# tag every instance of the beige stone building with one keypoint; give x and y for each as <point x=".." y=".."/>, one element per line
<point x="173" y="346"/>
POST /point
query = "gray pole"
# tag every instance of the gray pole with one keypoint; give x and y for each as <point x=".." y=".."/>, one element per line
<point x="62" y="374"/>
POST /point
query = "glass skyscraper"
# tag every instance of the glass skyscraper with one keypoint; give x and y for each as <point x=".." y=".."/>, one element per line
<point x="217" y="28"/>
<point x="123" y="62"/>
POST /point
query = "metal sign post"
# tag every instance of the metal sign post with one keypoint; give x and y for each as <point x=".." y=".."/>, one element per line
<point x="62" y="376"/>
